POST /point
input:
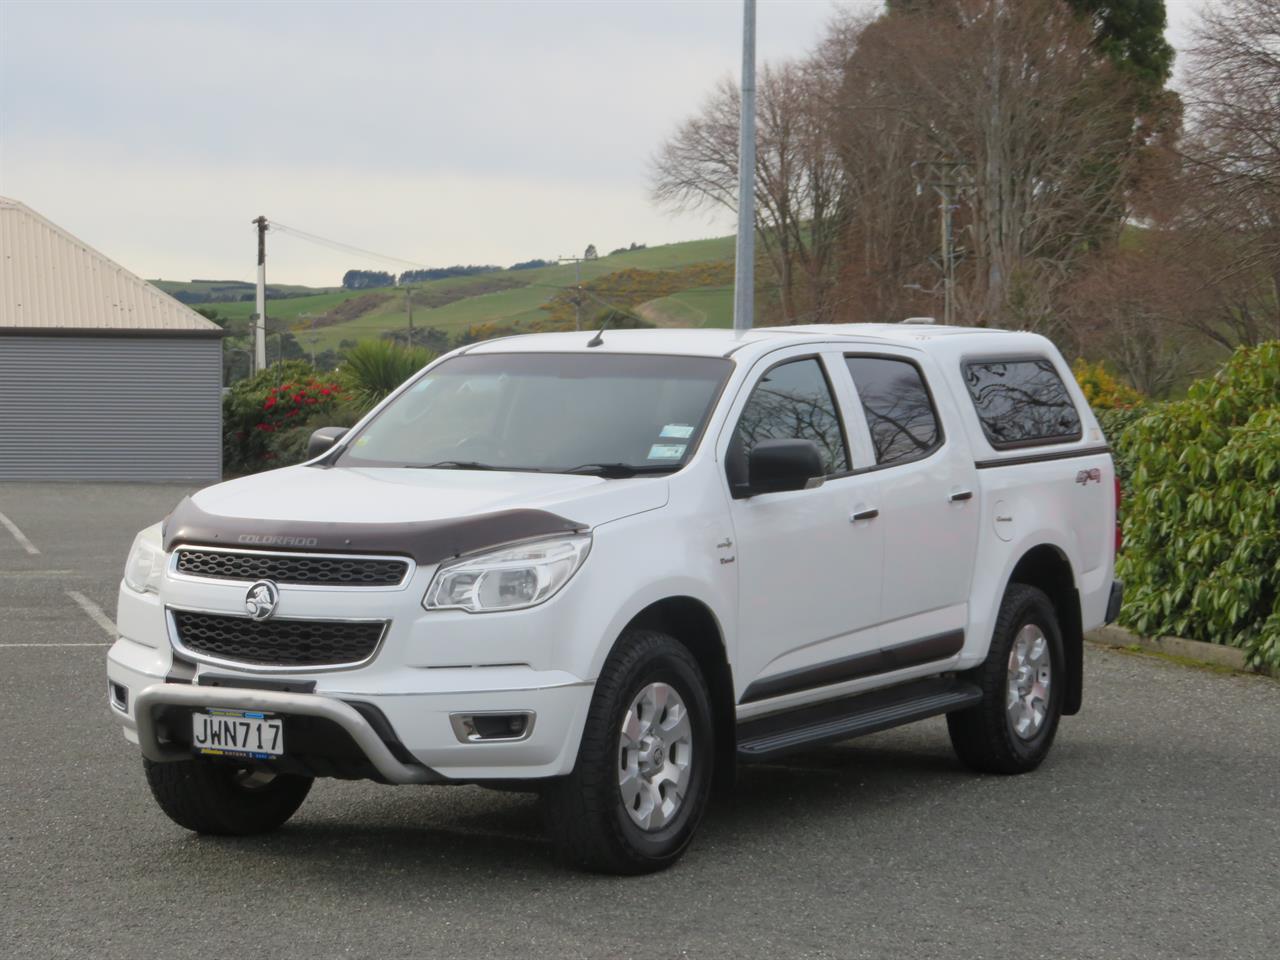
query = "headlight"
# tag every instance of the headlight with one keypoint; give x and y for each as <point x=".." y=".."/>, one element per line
<point x="508" y="579"/>
<point x="143" y="569"/>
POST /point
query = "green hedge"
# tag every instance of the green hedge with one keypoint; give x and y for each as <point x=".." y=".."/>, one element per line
<point x="1202" y="515"/>
<point x="1114" y="423"/>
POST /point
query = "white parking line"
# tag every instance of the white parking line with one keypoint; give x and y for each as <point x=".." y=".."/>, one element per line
<point x="102" y="643"/>
<point x="18" y="535"/>
<point x="95" y="612"/>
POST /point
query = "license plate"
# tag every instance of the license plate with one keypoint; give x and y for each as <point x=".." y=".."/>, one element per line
<point x="237" y="733"/>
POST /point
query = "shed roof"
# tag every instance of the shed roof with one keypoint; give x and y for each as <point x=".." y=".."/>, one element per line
<point x="52" y="282"/>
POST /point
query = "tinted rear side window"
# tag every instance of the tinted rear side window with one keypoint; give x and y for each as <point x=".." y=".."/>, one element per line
<point x="1022" y="402"/>
<point x="897" y="407"/>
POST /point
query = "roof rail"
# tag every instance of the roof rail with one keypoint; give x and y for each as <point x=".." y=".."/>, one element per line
<point x="928" y="320"/>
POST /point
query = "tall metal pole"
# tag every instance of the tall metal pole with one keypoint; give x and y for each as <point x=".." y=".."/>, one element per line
<point x="948" y="261"/>
<point x="744" y="266"/>
<point x="260" y="325"/>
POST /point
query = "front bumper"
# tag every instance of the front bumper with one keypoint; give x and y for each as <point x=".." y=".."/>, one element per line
<point x="415" y="738"/>
<point x="268" y="701"/>
<point x="430" y="670"/>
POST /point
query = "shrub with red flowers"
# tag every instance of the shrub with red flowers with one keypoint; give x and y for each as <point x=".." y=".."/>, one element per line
<point x="267" y="418"/>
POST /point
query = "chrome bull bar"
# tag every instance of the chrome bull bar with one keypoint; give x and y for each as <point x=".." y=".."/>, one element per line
<point x="268" y="701"/>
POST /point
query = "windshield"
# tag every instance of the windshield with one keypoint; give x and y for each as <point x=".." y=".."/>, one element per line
<point x="589" y="413"/>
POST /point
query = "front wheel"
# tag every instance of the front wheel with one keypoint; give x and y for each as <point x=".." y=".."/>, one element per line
<point x="224" y="799"/>
<point x="640" y="785"/>
<point x="1012" y="728"/>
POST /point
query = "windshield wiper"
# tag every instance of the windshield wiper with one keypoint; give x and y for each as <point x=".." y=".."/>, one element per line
<point x="454" y="465"/>
<point x="620" y="471"/>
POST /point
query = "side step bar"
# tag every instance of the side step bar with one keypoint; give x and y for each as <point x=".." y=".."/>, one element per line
<point x="764" y="738"/>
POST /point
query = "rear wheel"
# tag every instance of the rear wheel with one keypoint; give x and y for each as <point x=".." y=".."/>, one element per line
<point x="224" y="799"/>
<point x="640" y="785"/>
<point x="1022" y="679"/>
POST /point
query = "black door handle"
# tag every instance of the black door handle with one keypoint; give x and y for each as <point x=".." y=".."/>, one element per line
<point x="962" y="495"/>
<point x="864" y="515"/>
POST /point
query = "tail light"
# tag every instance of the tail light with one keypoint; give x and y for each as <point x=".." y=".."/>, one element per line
<point x="1119" y="529"/>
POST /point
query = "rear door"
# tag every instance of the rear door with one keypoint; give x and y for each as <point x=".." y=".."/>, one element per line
<point x="928" y="508"/>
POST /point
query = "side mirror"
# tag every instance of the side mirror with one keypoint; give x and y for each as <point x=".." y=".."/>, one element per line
<point x="323" y="440"/>
<point x="776" y="465"/>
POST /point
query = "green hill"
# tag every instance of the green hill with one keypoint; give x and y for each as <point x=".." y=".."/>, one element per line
<point x="322" y="318"/>
<point x="224" y="292"/>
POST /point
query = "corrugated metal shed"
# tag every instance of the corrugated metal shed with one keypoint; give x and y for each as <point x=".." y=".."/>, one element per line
<point x="110" y="408"/>
<point x="51" y="280"/>
<point x="102" y="376"/>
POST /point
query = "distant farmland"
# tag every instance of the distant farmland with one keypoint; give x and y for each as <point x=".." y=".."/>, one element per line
<point x="322" y="319"/>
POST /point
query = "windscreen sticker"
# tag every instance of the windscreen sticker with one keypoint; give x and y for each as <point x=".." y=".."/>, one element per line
<point x="667" y="451"/>
<point x="678" y="431"/>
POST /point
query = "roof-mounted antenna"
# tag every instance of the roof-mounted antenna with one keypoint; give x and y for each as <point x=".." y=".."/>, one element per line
<point x="598" y="339"/>
<point x="614" y="311"/>
<point x="928" y="320"/>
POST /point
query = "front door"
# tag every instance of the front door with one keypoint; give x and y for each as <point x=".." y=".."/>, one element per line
<point x="809" y="577"/>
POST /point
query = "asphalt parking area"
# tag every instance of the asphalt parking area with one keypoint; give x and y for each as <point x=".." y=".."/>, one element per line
<point x="1150" y="832"/>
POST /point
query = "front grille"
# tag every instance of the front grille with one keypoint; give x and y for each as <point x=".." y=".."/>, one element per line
<point x="293" y="568"/>
<point x="276" y="643"/>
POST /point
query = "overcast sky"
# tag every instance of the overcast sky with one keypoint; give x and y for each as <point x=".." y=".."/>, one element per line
<point x="440" y="132"/>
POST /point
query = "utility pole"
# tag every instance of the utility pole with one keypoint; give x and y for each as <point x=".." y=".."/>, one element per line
<point x="944" y="177"/>
<point x="577" y="288"/>
<point x="313" y="338"/>
<point x="260" y="325"/>
<point x="745" y="262"/>
<point x="408" y="305"/>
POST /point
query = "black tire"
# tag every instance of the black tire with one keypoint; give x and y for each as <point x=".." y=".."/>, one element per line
<point x="983" y="735"/>
<point x="589" y="825"/>
<point x="223" y="799"/>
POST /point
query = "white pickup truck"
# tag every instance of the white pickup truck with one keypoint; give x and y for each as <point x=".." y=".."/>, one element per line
<point x="611" y="568"/>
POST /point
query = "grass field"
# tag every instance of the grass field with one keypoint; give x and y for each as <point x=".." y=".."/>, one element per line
<point x="705" y="307"/>
<point x="516" y="305"/>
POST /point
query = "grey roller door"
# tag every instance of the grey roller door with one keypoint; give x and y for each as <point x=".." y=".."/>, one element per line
<point x="110" y="408"/>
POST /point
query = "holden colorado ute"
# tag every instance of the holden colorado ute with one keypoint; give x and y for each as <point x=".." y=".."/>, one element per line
<point x="611" y="568"/>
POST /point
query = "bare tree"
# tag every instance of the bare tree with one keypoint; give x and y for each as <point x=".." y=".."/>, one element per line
<point x="797" y="177"/>
<point x="890" y="224"/>
<point x="1046" y="124"/>
<point x="1019" y="91"/>
<point x="1233" y="160"/>
<point x="1134" y="309"/>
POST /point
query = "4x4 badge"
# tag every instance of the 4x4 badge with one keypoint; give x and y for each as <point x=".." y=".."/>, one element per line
<point x="261" y="600"/>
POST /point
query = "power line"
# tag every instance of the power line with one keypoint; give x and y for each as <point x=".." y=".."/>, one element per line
<point x="344" y="247"/>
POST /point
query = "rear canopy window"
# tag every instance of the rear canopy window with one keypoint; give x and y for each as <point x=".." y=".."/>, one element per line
<point x="1022" y="403"/>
